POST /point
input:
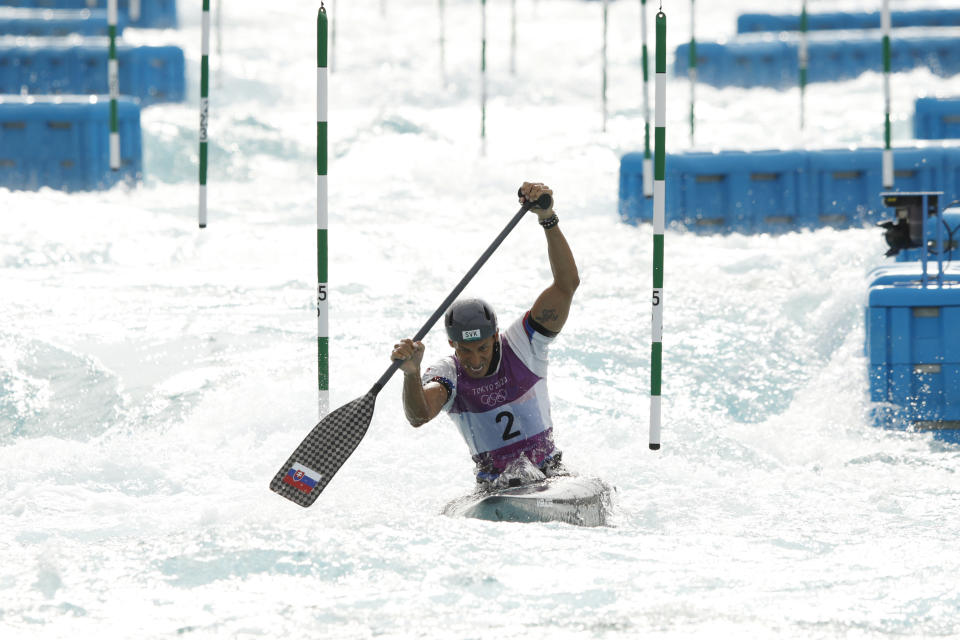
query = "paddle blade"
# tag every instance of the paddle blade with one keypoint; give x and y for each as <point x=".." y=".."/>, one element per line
<point x="321" y="454"/>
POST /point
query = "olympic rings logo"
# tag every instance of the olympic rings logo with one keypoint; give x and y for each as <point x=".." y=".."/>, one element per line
<point x="494" y="398"/>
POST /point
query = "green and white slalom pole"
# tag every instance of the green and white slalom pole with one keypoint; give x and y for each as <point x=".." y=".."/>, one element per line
<point x="323" y="331"/>
<point x="603" y="57"/>
<point x="113" y="82"/>
<point x="645" y="62"/>
<point x="483" y="77"/>
<point x="443" y="43"/>
<point x="513" y="37"/>
<point x="802" y="59"/>
<point x="692" y="70"/>
<point x="204" y="109"/>
<point x="887" y="149"/>
<point x="659" y="214"/>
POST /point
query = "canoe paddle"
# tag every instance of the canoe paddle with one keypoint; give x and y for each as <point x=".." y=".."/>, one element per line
<point x="313" y="464"/>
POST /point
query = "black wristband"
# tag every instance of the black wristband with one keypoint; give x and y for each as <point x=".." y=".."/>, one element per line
<point x="549" y="223"/>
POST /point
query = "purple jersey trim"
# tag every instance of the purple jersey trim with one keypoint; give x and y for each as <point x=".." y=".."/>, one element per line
<point x="511" y="380"/>
<point x="537" y="448"/>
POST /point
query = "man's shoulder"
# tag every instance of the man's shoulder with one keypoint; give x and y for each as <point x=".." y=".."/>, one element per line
<point x="524" y="340"/>
<point x="445" y="366"/>
<point x="444" y="373"/>
<point x="528" y="330"/>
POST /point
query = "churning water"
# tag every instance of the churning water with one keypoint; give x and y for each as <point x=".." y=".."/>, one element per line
<point x="153" y="377"/>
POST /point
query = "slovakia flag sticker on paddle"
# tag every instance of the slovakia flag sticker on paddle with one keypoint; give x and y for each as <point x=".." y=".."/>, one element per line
<point x="302" y="478"/>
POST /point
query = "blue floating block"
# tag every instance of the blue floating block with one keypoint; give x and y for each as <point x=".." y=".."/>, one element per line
<point x="57" y="66"/>
<point x="913" y="346"/>
<point x="156" y="74"/>
<point x="632" y="205"/>
<point x="745" y="64"/>
<point x="877" y="332"/>
<point x="879" y="382"/>
<point x="759" y="22"/>
<point x="157" y="14"/>
<point x="936" y="118"/>
<point x="778" y="191"/>
<point x="916" y="325"/>
<point x="755" y="62"/>
<point x="64" y="142"/>
<point x="890" y="416"/>
<point x="55" y="22"/>
<point x="910" y="273"/>
<point x="733" y="191"/>
<point x="846" y="186"/>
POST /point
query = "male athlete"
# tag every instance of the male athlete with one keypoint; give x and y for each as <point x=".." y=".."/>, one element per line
<point x="494" y="385"/>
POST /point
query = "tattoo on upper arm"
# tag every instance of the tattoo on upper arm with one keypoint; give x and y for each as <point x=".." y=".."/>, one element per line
<point x="546" y="315"/>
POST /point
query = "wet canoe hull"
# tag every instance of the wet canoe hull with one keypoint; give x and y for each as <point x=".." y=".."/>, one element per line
<point x="576" y="500"/>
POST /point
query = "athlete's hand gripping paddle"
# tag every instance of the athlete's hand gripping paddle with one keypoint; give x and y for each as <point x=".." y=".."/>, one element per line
<point x="543" y="202"/>
<point x="313" y="464"/>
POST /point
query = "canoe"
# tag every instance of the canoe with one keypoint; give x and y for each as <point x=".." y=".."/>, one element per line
<point x="579" y="500"/>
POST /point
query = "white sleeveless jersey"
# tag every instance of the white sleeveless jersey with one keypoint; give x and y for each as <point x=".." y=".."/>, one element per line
<point x="507" y="413"/>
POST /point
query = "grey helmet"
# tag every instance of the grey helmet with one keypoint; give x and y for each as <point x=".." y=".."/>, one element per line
<point x="469" y="320"/>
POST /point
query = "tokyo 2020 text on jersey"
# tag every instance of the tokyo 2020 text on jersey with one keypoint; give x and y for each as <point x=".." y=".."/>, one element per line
<point x="505" y="414"/>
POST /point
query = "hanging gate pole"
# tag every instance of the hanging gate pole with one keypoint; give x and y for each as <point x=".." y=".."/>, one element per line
<point x="802" y="58"/>
<point x="692" y="70"/>
<point x="483" y="77"/>
<point x="443" y="40"/>
<point x="887" y="149"/>
<point x="513" y="37"/>
<point x="603" y="55"/>
<point x="323" y="330"/>
<point x="113" y="81"/>
<point x="204" y="108"/>
<point x="659" y="191"/>
<point x="645" y="63"/>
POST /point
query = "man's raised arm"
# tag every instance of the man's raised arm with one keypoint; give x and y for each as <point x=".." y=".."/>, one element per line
<point x="553" y="305"/>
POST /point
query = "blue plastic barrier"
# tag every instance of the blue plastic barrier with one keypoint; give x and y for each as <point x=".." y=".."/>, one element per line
<point x="936" y="118"/>
<point x="157" y="14"/>
<point x="54" y="66"/>
<point x="913" y="347"/>
<point x="759" y="22"/>
<point x="910" y="273"/>
<point x="912" y="323"/>
<point x="64" y="142"/>
<point x="773" y="63"/>
<point x="779" y="191"/>
<point x="54" y="22"/>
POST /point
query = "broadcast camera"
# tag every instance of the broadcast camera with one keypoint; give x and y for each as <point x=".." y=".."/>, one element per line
<point x="906" y="231"/>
